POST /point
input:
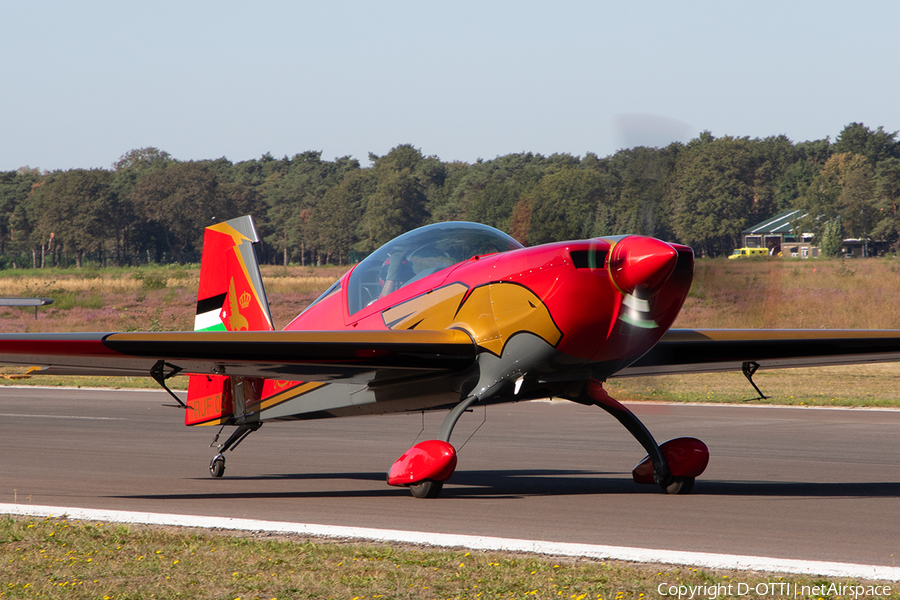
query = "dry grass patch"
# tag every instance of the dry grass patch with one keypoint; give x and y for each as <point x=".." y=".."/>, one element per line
<point x="43" y="286"/>
<point x="150" y="302"/>
<point x="298" y="284"/>
<point x="793" y="294"/>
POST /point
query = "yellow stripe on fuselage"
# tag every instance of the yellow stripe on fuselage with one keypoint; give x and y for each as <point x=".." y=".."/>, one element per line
<point x="289" y="394"/>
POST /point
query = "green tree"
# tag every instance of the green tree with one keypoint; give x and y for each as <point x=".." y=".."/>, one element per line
<point x="774" y="157"/>
<point x="489" y="190"/>
<point x="399" y="202"/>
<point x="70" y="211"/>
<point x="396" y="206"/>
<point x="331" y="227"/>
<point x="843" y="188"/>
<point x="340" y="211"/>
<point x="636" y="179"/>
<point x="714" y="193"/>
<point x="181" y="199"/>
<point x="887" y="201"/>
<point x="563" y="204"/>
<point x="132" y="229"/>
<point x="297" y="214"/>
<point x="15" y="226"/>
<point x="279" y="207"/>
<point x="241" y="184"/>
<point x="793" y="183"/>
<point x="520" y="221"/>
<point x="830" y="244"/>
<point x="444" y="201"/>
<point x="875" y="146"/>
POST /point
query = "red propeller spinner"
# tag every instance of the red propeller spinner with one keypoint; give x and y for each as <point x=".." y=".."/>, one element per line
<point x="641" y="262"/>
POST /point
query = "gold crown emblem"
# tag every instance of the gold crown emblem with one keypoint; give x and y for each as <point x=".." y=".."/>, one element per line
<point x="244" y="300"/>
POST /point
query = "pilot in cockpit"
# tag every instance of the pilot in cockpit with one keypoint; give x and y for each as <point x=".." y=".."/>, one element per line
<point x="395" y="272"/>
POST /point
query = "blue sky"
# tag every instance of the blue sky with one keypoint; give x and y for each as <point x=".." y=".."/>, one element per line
<point x="84" y="82"/>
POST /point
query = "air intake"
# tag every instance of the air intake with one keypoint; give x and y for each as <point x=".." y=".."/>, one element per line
<point x="589" y="259"/>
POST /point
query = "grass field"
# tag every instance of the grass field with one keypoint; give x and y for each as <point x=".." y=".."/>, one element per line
<point x="141" y="299"/>
<point x="56" y="558"/>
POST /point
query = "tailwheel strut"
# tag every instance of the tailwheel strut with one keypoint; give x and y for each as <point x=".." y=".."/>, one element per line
<point x="217" y="464"/>
<point x="673" y="466"/>
<point x="426" y="466"/>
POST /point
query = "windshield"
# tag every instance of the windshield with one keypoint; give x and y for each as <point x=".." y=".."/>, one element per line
<point x="420" y="253"/>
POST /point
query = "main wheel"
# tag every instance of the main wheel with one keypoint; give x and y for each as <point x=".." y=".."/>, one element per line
<point x="681" y="485"/>
<point x="427" y="489"/>
<point x="217" y="466"/>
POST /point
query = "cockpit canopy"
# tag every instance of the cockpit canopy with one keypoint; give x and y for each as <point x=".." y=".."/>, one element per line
<point x="420" y="253"/>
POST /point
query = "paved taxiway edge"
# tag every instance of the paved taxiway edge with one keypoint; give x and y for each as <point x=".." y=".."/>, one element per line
<point x="641" y="555"/>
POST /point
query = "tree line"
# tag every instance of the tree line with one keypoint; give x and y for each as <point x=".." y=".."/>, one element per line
<point x="151" y="208"/>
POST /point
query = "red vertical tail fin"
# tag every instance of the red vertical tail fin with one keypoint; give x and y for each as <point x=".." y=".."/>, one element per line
<point x="231" y="297"/>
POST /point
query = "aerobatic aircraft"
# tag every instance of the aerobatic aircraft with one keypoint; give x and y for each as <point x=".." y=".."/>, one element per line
<point x="444" y="317"/>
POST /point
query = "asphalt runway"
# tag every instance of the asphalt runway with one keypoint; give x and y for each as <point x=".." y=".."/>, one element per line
<point x="788" y="483"/>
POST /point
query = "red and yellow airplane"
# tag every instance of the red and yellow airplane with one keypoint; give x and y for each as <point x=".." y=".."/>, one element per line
<point x="443" y="317"/>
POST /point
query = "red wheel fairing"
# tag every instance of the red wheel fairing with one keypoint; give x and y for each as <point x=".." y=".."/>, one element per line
<point x="431" y="459"/>
<point x="686" y="457"/>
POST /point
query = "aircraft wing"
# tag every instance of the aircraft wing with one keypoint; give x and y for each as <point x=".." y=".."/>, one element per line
<point x="348" y="356"/>
<point x="361" y="356"/>
<point x="708" y="350"/>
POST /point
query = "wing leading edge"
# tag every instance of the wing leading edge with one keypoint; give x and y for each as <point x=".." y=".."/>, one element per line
<point x="348" y="356"/>
<point x="709" y="350"/>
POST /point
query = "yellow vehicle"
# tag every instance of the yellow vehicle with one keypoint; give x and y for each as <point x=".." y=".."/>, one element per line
<point x="741" y="252"/>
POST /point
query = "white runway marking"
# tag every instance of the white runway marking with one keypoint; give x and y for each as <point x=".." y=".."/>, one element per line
<point x="643" y="555"/>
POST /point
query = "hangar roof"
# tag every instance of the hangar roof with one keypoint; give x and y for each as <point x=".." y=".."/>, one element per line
<point x="781" y="223"/>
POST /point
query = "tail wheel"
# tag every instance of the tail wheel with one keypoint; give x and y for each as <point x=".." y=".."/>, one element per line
<point x="680" y="485"/>
<point x="427" y="489"/>
<point x="217" y="466"/>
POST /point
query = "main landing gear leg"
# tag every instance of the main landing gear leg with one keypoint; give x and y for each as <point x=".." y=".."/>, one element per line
<point x="426" y="466"/>
<point x="672" y="466"/>
<point x="217" y="464"/>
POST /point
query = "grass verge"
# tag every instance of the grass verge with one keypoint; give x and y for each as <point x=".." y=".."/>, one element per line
<point x="55" y="558"/>
<point x="873" y="385"/>
<point x="13" y="376"/>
